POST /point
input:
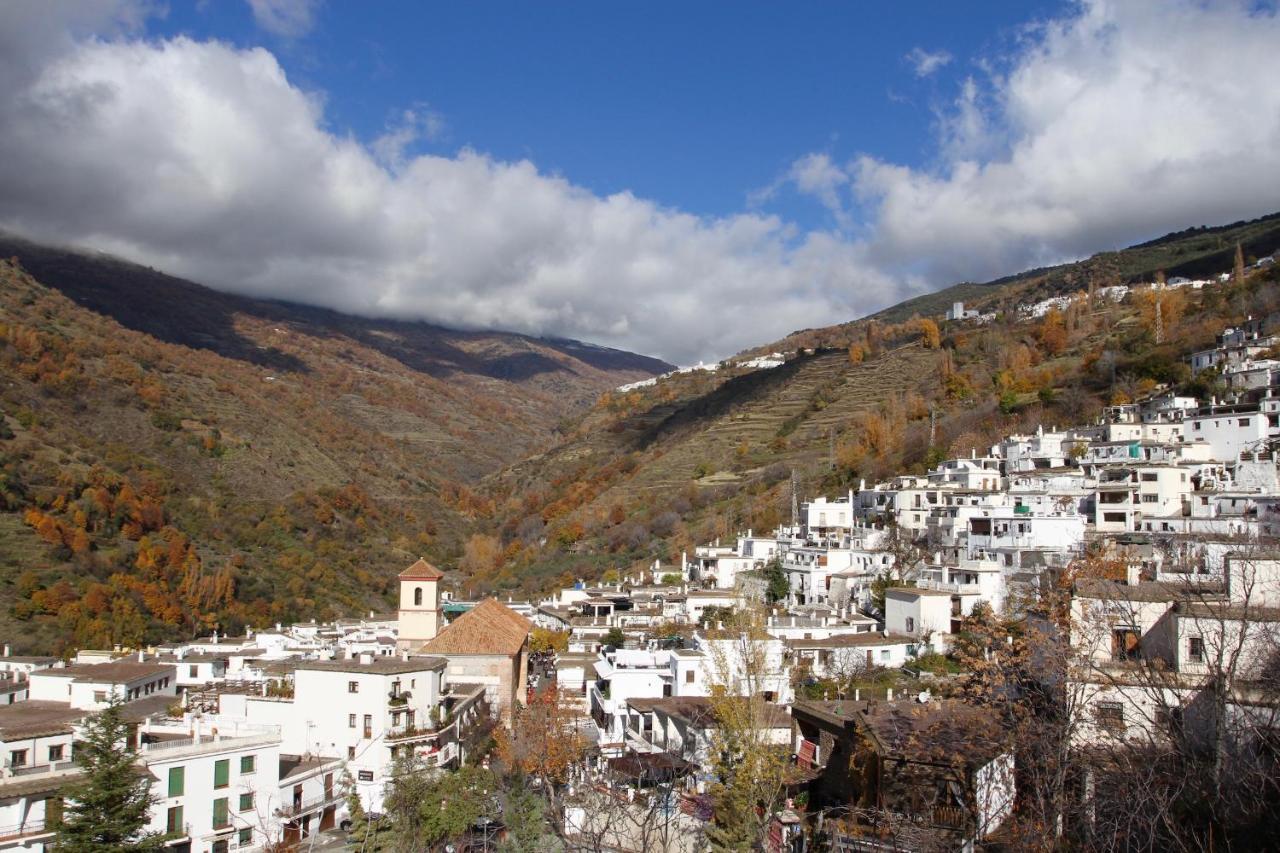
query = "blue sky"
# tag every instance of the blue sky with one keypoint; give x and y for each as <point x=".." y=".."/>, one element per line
<point x="680" y="179"/>
<point x="693" y="105"/>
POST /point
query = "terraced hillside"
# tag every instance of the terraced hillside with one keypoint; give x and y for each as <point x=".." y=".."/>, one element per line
<point x="650" y="472"/>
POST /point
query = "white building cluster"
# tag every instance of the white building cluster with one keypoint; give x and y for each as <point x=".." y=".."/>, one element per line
<point x="1171" y="489"/>
<point x="257" y="740"/>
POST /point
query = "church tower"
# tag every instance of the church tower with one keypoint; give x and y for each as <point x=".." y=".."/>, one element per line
<point x="419" y="613"/>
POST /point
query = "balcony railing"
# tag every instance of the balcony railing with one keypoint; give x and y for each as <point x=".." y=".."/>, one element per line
<point x="25" y="830"/>
<point x="414" y="731"/>
<point x="214" y="743"/>
<point x="323" y="801"/>
<point x="40" y="769"/>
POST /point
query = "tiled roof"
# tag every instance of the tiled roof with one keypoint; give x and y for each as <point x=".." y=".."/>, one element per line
<point x="421" y="570"/>
<point x="489" y="628"/>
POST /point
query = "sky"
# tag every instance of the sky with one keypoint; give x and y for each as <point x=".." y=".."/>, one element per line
<point x="679" y="179"/>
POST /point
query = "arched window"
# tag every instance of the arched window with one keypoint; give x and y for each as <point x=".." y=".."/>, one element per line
<point x="417" y="596"/>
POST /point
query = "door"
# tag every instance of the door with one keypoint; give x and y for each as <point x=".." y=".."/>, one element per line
<point x="297" y="797"/>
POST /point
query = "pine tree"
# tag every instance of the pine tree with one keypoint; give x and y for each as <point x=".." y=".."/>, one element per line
<point x="108" y="808"/>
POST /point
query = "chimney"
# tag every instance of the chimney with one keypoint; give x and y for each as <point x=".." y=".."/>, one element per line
<point x="1132" y="574"/>
<point x="366" y="659"/>
<point x="404" y="655"/>
<point x="142" y="656"/>
<point x="6" y="649"/>
<point x="278" y="628"/>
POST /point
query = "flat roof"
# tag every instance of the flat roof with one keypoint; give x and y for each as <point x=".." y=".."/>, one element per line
<point x="37" y="717"/>
<point x="114" y="672"/>
<point x="380" y="665"/>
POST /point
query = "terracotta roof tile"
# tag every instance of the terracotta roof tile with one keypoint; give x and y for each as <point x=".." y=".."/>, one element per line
<point x="489" y="628"/>
<point x="422" y="570"/>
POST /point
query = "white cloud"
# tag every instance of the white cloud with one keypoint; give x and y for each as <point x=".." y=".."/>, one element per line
<point x="205" y="160"/>
<point x="925" y="62"/>
<point x="202" y="159"/>
<point x="1116" y="124"/>
<point x="285" y="18"/>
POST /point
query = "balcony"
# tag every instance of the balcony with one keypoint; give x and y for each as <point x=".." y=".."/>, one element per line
<point x="413" y="732"/>
<point x="39" y="769"/>
<point x="28" y="829"/>
<point x="315" y="804"/>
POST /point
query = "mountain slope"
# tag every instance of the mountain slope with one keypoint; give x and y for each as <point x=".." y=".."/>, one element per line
<point x="172" y="457"/>
<point x="648" y="473"/>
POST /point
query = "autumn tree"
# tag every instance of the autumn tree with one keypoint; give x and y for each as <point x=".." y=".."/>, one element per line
<point x="545" y="743"/>
<point x="750" y="771"/>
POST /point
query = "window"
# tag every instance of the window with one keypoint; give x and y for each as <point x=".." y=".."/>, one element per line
<point x="1125" y="643"/>
<point x="689" y="676"/>
<point x="1149" y="499"/>
<point x="55" y="753"/>
<point x="368" y="725"/>
<point x="353" y="687"/>
<point x="1244" y="422"/>
<point x="1148" y="476"/>
<point x="1110" y="715"/>
<point x="246" y="802"/>
<point x="248" y="764"/>
<point x="177" y="781"/>
<point x="222" y="773"/>
<point x="1113" y="517"/>
<point x="246" y="837"/>
<point x="1195" y="649"/>
<point x="18" y="758"/>
<point x="173" y="820"/>
<point x="221" y="814"/>
<point x="417" y="596"/>
<point x="193" y="671"/>
<point x="884" y="654"/>
<point x="351" y="753"/>
<point x="351" y="721"/>
<point x="222" y="845"/>
<point x="911" y="624"/>
<point x="99" y="696"/>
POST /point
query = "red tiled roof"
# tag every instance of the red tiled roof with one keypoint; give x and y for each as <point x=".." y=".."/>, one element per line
<point x="489" y="628"/>
<point x="422" y="571"/>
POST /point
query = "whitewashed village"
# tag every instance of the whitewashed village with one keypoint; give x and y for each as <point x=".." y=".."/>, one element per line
<point x="1134" y="553"/>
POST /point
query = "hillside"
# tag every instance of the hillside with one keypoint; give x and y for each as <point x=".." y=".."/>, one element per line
<point x="649" y="473"/>
<point x="172" y="457"/>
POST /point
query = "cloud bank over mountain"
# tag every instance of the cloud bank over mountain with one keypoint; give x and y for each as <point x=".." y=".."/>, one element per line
<point x="205" y="160"/>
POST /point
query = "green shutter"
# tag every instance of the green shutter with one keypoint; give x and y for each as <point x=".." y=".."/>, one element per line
<point x="175" y="823"/>
<point x="222" y="773"/>
<point x="246" y="802"/>
<point x="220" y="814"/>
<point x="246" y="764"/>
<point x="177" y="781"/>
